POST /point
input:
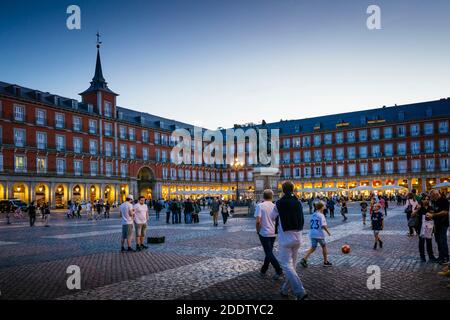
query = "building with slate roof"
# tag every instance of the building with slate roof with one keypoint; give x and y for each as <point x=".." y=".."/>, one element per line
<point x="56" y="149"/>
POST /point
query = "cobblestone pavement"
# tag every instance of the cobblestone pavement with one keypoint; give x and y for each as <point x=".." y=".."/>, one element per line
<point x="203" y="262"/>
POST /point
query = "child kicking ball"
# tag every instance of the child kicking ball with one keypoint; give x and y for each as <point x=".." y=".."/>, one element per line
<point x="318" y="226"/>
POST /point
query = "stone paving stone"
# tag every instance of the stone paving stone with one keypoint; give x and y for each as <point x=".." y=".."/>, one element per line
<point x="48" y="280"/>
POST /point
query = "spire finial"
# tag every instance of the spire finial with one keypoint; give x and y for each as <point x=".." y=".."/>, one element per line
<point x="98" y="40"/>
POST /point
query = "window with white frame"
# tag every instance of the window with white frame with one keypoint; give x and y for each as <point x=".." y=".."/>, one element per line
<point x="200" y="175"/>
<point x="59" y="120"/>
<point x="286" y="157"/>
<point x="40" y="117"/>
<point x="443" y="145"/>
<point x="375" y="133"/>
<point x="317" y="171"/>
<point x="402" y="166"/>
<point x="60" y="142"/>
<point x="340" y="170"/>
<point x="1" y="162"/>
<point x="92" y="126"/>
<point x="401" y="148"/>
<point x="19" y="112"/>
<point x="94" y="168"/>
<point x="429" y="146"/>
<point x="165" y="173"/>
<point x="389" y="167"/>
<point x="78" y="167"/>
<point x="363" y="152"/>
<point x="415" y="129"/>
<point x="77" y="145"/>
<point x="41" y="165"/>
<point x="329" y="171"/>
<point x="132" y="133"/>
<point x="317" y="140"/>
<point x="328" y="154"/>
<point x="307" y="156"/>
<point x="164" y="156"/>
<point x="307" y="172"/>
<point x="173" y="174"/>
<point x="20" y="164"/>
<point x="376" y="168"/>
<point x="297" y="157"/>
<point x="41" y="140"/>
<point x="388" y="149"/>
<point x="376" y="152"/>
<point x="296" y="142"/>
<point x="109" y="169"/>
<point x="108" y="109"/>
<point x="181" y="174"/>
<point x="123" y="170"/>
<point x="93" y="147"/>
<point x="123" y="151"/>
<point x="144" y="136"/>
<point x="443" y="126"/>
<point x="362" y="135"/>
<point x="306" y="141"/>
<point x="328" y="138"/>
<point x="296" y="172"/>
<point x="108" y="129"/>
<point x="428" y="128"/>
<point x="444" y="164"/>
<point x="286" y="172"/>
<point x="340" y="153"/>
<point x="19" y="137"/>
<point x="363" y="169"/>
<point x="415" y="147"/>
<point x="145" y="154"/>
<point x="157" y="155"/>
<point x="157" y="137"/>
<point x="429" y="165"/>
<point x="77" y="124"/>
<point x="352" y="169"/>
<point x="187" y="174"/>
<point x="401" y="131"/>
<point x="351" y="136"/>
<point x="339" y="137"/>
<point x="317" y="155"/>
<point x="132" y="152"/>
<point x="60" y="166"/>
<point x="351" y="153"/>
<point x="122" y="132"/>
<point x="286" y="143"/>
<point x="387" y="132"/>
<point x="416" y="165"/>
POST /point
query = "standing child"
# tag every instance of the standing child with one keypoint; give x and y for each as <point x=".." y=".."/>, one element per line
<point x="344" y="210"/>
<point x="318" y="224"/>
<point x="377" y="224"/>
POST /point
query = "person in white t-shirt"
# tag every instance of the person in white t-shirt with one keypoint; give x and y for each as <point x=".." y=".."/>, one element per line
<point x="127" y="215"/>
<point x="140" y="222"/>
<point x="265" y="227"/>
<point x="318" y="224"/>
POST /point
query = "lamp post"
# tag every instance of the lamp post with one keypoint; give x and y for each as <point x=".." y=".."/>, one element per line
<point x="237" y="165"/>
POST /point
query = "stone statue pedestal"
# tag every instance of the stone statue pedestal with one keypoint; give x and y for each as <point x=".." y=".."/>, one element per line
<point x="265" y="178"/>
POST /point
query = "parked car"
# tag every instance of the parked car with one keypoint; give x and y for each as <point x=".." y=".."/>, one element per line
<point x="14" y="203"/>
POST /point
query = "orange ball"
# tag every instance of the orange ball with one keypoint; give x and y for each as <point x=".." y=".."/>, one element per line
<point x="345" y="249"/>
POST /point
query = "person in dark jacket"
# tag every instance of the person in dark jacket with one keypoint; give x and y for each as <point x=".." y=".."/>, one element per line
<point x="32" y="213"/>
<point x="188" y="210"/>
<point x="291" y="220"/>
<point x="425" y="229"/>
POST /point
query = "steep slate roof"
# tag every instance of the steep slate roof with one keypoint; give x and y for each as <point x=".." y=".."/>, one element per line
<point x="408" y="112"/>
<point x="98" y="81"/>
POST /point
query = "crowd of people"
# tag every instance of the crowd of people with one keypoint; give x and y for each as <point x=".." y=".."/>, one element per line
<point x="427" y="216"/>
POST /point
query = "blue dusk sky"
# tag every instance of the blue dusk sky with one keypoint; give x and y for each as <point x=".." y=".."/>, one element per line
<point x="218" y="62"/>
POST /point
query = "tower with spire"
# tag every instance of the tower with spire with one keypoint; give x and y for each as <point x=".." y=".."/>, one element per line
<point x="98" y="94"/>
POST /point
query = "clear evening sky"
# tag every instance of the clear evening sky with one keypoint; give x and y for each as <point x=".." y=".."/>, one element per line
<point x="218" y="62"/>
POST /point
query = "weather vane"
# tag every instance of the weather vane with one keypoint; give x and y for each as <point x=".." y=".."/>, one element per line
<point x="98" y="40"/>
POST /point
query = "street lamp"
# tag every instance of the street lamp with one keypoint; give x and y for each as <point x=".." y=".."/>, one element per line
<point x="237" y="165"/>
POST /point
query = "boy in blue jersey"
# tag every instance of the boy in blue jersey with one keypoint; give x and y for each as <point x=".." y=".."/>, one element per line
<point x="318" y="224"/>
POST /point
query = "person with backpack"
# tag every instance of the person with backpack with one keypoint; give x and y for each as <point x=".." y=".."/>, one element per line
<point x="291" y="221"/>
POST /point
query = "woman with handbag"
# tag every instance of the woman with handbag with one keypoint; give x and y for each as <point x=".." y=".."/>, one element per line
<point x="411" y="205"/>
<point x="425" y="228"/>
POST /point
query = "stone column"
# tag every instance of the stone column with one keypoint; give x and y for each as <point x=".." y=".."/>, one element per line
<point x="31" y="187"/>
<point x="424" y="184"/>
<point x="51" y="195"/>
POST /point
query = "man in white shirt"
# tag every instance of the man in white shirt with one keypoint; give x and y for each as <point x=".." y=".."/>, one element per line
<point x="140" y="222"/>
<point x="290" y="211"/>
<point x="265" y="227"/>
<point x="127" y="215"/>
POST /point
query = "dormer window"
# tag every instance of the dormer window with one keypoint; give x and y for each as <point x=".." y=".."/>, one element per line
<point x="429" y="112"/>
<point x="74" y="104"/>
<point x="108" y="109"/>
<point x="90" y="108"/>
